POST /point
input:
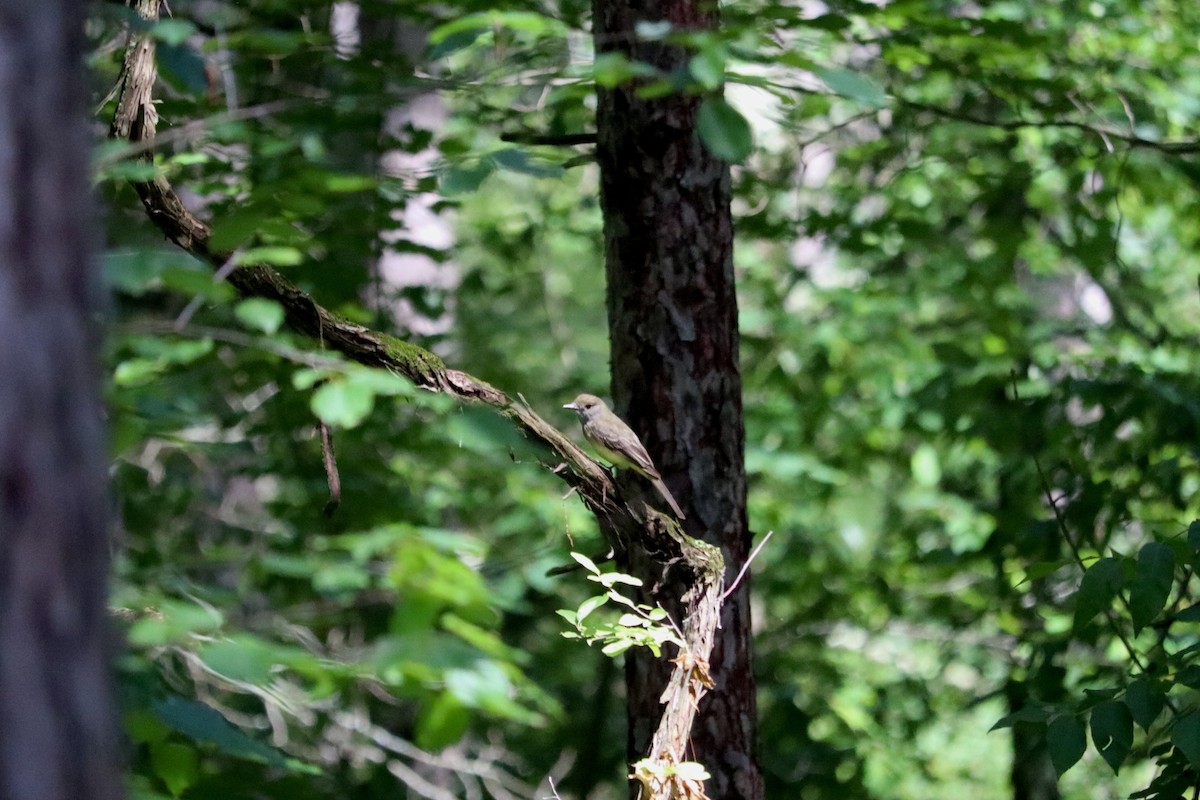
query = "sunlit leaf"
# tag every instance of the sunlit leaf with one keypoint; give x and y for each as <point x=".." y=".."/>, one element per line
<point x="343" y="403"/>
<point x="177" y="765"/>
<point x="259" y="313"/>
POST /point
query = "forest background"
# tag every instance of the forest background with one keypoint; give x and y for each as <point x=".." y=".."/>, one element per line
<point x="966" y="273"/>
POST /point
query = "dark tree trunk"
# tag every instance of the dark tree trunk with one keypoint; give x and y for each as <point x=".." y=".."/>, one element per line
<point x="672" y="311"/>
<point x="1033" y="776"/>
<point x="57" y="731"/>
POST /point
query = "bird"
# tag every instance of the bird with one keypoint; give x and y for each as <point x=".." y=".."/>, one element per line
<point x="618" y="444"/>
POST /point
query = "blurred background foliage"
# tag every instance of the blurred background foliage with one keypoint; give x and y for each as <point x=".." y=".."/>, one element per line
<point x="967" y="260"/>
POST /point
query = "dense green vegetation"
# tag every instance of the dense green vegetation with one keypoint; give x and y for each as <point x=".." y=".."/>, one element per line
<point x="967" y="255"/>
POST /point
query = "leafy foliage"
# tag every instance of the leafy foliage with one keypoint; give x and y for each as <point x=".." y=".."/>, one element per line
<point x="967" y="292"/>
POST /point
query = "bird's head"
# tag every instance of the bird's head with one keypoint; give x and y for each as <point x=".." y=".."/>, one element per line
<point x="586" y="406"/>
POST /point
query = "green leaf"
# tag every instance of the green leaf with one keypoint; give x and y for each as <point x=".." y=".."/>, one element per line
<point x="133" y="272"/>
<point x="485" y="432"/>
<point x="463" y="179"/>
<point x="250" y="659"/>
<point x="586" y="563"/>
<point x="308" y="377"/>
<point x="708" y="67"/>
<point x="526" y="22"/>
<point x="588" y="606"/>
<point x="1186" y="736"/>
<point x="205" y="725"/>
<point x="177" y="765"/>
<point x="1112" y="732"/>
<point x="1152" y="579"/>
<point x="254" y="41"/>
<point x="182" y="65"/>
<point x="1100" y="585"/>
<point x="276" y="255"/>
<point x="1028" y="714"/>
<point x="441" y="722"/>
<point x="1193" y="535"/>
<point x="1066" y="739"/>
<point x="481" y="686"/>
<point x="1145" y="698"/>
<point x="171" y="349"/>
<point x="342" y="402"/>
<point x="724" y="131"/>
<point x="172" y="621"/>
<point x="852" y="85"/>
<point x="612" y="69"/>
<point x="453" y="42"/>
<point x="340" y="578"/>
<point x="520" y="161"/>
<point x="926" y="470"/>
<point x="350" y="183"/>
<point x="381" y="381"/>
<point x="128" y="170"/>
<point x="1041" y="569"/>
<point x="142" y="726"/>
<point x="240" y="226"/>
<point x="1189" y="676"/>
<point x="139" y="789"/>
<point x="138" y="371"/>
<point x="172" y="31"/>
<point x="260" y="314"/>
<point x="196" y="282"/>
<point x="617" y="647"/>
<point x="486" y="641"/>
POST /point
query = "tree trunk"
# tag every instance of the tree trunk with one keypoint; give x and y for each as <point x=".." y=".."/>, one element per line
<point x="672" y="311"/>
<point x="57" y="731"/>
<point x="1032" y="773"/>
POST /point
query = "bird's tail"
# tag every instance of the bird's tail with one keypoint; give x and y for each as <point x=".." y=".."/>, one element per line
<point x="662" y="489"/>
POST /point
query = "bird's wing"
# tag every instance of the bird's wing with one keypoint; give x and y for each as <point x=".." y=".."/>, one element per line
<point x="641" y="460"/>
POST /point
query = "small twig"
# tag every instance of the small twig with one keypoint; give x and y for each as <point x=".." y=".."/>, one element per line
<point x="1106" y="135"/>
<point x="836" y="127"/>
<point x="331" y="470"/>
<point x="553" y="139"/>
<point x="742" y="572"/>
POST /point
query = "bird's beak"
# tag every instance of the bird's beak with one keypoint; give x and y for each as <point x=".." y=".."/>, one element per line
<point x="571" y="406"/>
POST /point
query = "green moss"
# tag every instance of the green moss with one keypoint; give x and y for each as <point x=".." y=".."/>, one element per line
<point x="416" y="360"/>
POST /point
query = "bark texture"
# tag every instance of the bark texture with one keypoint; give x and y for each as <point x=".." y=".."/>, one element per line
<point x="672" y="310"/>
<point x="57" y="728"/>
